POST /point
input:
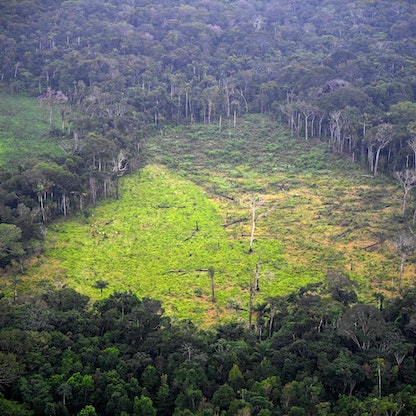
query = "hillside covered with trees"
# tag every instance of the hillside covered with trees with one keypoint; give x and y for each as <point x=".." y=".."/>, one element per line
<point x="308" y="108"/>
<point x="109" y="72"/>
<point x="123" y="357"/>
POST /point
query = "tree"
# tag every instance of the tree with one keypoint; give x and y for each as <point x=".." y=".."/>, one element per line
<point x="143" y="406"/>
<point x="412" y="144"/>
<point x="53" y="98"/>
<point x="88" y="410"/>
<point x="10" y="369"/>
<point x="343" y="373"/>
<point x="363" y="324"/>
<point x="404" y="242"/>
<point x="407" y="179"/>
<point x="211" y="274"/>
<point x="235" y="378"/>
<point x="379" y="364"/>
<point x="340" y="286"/>
<point x="254" y="285"/>
<point x="11" y="408"/>
<point x="36" y="391"/>
<point x="65" y="390"/>
<point x="120" y="165"/>
<point x="10" y="243"/>
<point x="381" y="137"/>
<point x="255" y="203"/>
<point x="100" y="284"/>
<point x="81" y="387"/>
<point x="307" y="111"/>
<point x="223" y="397"/>
<point x="335" y="128"/>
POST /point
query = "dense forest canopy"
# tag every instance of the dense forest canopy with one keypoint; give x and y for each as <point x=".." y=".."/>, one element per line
<point x="343" y="73"/>
<point x="197" y="61"/>
<point x="311" y="353"/>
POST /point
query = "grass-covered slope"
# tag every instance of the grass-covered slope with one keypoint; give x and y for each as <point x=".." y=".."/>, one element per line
<point x="188" y="209"/>
<point x="24" y="130"/>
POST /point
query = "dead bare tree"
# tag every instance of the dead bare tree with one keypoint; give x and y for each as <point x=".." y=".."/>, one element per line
<point x="120" y="164"/>
<point x="407" y="179"/>
<point x="211" y="274"/>
<point x="255" y="203"/>
<point x="404" y="242"/>
<point x="253" y="287"/>
<point x="412" y="144"/>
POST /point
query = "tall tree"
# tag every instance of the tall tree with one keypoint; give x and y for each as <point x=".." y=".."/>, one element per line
<point x="380" y="138"/>
<point x="407" y="179"/>
<point x="363" y="324"/>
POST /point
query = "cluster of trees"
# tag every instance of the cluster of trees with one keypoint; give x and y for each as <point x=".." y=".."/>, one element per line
<point x="42" y="189"/>
<point x="315" y="352"/>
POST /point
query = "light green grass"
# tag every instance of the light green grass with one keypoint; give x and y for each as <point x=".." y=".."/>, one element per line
<point x="24" y="130"/>
<point x="156" y="241"/>
<point x="322" y="215"/>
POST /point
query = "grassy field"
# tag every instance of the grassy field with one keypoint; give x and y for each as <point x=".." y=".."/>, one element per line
<point x="24" y="130"/>
<point x="188" y="209"/>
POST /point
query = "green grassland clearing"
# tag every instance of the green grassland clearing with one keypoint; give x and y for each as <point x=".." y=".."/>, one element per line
<point x="188" y="209"/>
<point x="24" y="130"/>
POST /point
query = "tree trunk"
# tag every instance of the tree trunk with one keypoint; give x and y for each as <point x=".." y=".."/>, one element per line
<point x="250" y="309"/>
<point x="404" y="203"/>
<point x="41" y="206"/>
<point x="253" y="227"/>
<point x="402" y="261"/>
<point x="377" y="161"/>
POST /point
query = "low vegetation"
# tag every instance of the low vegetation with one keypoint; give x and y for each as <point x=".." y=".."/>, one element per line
<point x="25" y="131"/>
<point x="188" y="209"/>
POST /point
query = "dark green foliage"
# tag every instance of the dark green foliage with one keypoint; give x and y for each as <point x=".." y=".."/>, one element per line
<point x="226" y="370"/>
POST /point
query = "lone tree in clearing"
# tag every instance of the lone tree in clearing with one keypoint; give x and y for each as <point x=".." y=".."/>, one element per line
<point x="211" y="274"/>
<point x="100" y="284"/>
<point x="255" y="203"/>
